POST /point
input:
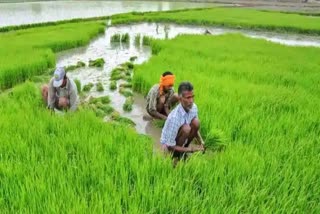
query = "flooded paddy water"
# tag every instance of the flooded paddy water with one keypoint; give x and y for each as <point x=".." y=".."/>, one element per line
<point x="116" y="53"/>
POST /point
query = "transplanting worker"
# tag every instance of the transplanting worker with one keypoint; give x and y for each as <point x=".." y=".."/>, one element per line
<point x="182" y="125"/>
<point x="161" y="97"/>
<point x="61" y="93"/>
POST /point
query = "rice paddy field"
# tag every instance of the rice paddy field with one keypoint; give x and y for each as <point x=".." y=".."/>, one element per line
<point x="258" y="98"/>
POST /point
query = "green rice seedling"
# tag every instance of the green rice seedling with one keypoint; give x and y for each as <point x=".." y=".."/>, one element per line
<point x="98" y="103"/>
<point x="115" y="38"/>
<point x="113" y="85"/>
<point x="78" y="84"/>
<point x="128" y="73"/>
<point x="97" y="63"/>
<point x="137" y="39"/>
<point x="215" y="140"/>
<point x="126" y="85"/>
<point x="37" y="79"/>
<point x="246" y="104"/>
<point x="115" y="116"/>
<point x="125" y="92"/>
<point x="79" y="64"/>
<point x="99" y="86"/>
<point x="124" y="120"/>
<point x="107" y="109"/>
<point x="116" y="73"/>
<point x="117" y="77"/>
<point x="127" y="106"/>
<point x="70" y="68"/>
<point x="127" y="78"/>
<point x="87" y="87"/>
<point x="102" y="100"/>
<point x="41" y="78"/>
<point x="146" y="40"/>
<point x="125" y="38"/>
<point x="133" y="58"/>
<point x="100" y="113"/>
<point x="127" y="65"/>
<point x="105" y="99"/>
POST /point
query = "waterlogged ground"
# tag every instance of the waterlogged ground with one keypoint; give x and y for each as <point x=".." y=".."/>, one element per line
<point x="115" y="54"/>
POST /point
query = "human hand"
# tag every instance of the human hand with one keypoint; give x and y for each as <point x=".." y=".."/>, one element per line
<point x="63" y="102"/>
<point x="197" y="148"/>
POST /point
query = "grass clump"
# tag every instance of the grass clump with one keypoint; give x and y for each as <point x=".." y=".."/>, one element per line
<point x="133" y="58"/>
<point x="115" y="38"/>
<point x="113" y="85"/>
<point x="215" y="140"/>
<point x="127" y="106"/>
<point x="100" y="87"/>
<point x="97" y="63"/>
<point x="127" y="78"/>
<point x="125" y="92"/>
<point x="126" y="85"/>
<point x="117" y="76"/>
<point x="79" y="64"/>
<point x="137" y="39"/>
<point x="125" y="38"/>
<point x="117" y="73"/>
<point x="146" y="40"/>
<point x="127" y="65"/>
<point x="103" y="100"/>
<point x="115" y="116"/>
<point x="87" y="87"/>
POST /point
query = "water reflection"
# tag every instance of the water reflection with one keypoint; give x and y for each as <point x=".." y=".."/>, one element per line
<point x="28" y="12"/>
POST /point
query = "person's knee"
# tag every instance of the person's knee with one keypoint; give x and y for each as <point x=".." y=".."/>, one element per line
<point x="186" y="129"/>
<point x="195" y="124"/>
<point x="63" y="102"/>
<point x="162" y="100"/>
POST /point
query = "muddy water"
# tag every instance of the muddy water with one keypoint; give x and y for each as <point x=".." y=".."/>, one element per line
<point x="117" y="53"/>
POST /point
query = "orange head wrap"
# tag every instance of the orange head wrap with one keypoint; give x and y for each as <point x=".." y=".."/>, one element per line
<point x="166" y="81"/>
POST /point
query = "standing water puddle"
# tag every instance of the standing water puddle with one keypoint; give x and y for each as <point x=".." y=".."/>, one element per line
<point x="115" y="54"/>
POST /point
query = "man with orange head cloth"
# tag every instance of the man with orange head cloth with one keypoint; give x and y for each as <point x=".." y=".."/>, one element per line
<point x="161" y="97"/>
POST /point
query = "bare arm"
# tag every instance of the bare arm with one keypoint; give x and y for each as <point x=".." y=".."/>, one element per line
<point x="185" y="149"/>
<point x="158" y="115"/>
